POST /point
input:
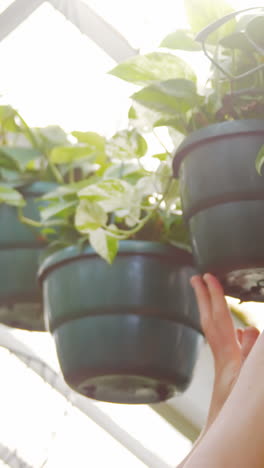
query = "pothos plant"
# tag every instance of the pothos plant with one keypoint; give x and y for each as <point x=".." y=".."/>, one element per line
<point x="120" y="200"/>
<point x="24" y="155"/>
<point x="29" y="155"/>
<point x="173" y="95"/>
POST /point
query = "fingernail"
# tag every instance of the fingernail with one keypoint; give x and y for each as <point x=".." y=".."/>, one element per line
<point x="191" y="280"/>
<point x="206" y="275"/>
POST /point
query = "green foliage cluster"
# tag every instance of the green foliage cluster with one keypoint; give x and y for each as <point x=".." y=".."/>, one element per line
<point x="105" y="193"/>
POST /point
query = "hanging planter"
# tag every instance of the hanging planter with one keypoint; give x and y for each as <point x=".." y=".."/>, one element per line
<point x="127" y="332"/>
<point x="20" y="248"/>
<point x="223" y="203"/>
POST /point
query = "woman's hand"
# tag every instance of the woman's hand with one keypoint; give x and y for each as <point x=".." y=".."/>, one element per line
<point x="230" y="347"/>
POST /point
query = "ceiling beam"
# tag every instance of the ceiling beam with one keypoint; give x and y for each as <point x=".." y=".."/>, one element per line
<point x="81" y="15"/>
<point x="15" y="14"/>
<point x="96" y="28"/>
<point x="177" y="420"/>
<point x="10" y="458"/>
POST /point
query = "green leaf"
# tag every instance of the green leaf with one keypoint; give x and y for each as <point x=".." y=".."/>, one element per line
<point x="177" y="122"/>
<point x="110" y="194"/>
<point x="89" y="216"/>
<point x="176" y="136"/>
<point x="92" y="139"/>
<point x="48" y="137"/>
<point x="156" y="183"/>
<point x="11" y="197"/>
<point x="255" y="29"/>
<point x="177" y="233"/>
<point x="105" y="245"/>
<point x="147" y="185"/>
<point x="237" y="40"/>
<point x="7" y="162"/>
<point x="124" y="168"/>
<point x="172" y="194"/>
<point x="201" y="13"/>
<point x="260" y="160"/>
<point x="61" y="209"/>
<point x="69" y="191"/>
<point x="145" y="120"/>
<point x="8" y="119"/>
<point x="21" y="157"/>
<point x="160" y="156"/>
<point x="126" y="144"/>
<point x="244" y="19"/>
<point x="156" y="66"/>
<point x="171" y="96"/>
<point x="132" y="114"/>
<point x="69" y="154"/>
<point x="181" y="39"/>
<point x="61" y="192"/>
<point x="163" y="177"/>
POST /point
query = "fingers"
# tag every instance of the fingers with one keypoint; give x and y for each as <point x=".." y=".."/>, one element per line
<point x="203" y="300"/>
<point x="219" y="305"/>
<point x="220" y="310"/>
<point x="249" y="338"/>
<point x="206" y="318"/>
<point x="216" y="319"/>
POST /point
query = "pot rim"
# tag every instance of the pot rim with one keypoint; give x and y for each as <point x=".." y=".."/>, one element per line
<point x="217" y="131"/>
<point x="126" y="248"/>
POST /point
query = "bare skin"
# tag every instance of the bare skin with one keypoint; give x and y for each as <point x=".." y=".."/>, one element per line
<point x="235" y="438"/>
<point x="230" y="347"/>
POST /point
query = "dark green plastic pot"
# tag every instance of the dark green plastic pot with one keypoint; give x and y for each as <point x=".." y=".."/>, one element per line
<point x="127" y="332"/>
<point x="223" y="202"/>
<point x="20" y="248"/>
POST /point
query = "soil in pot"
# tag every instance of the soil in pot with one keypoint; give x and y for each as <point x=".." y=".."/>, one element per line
<point x="127" y="332"/>
<point x="223" y="202"/>
<point x="20" y="248"/>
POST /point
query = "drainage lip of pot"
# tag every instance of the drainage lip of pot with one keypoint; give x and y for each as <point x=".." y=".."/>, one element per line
<point x="123" y="340"/>
<point x="237" y="231"/>
<point x="127" y="358"/>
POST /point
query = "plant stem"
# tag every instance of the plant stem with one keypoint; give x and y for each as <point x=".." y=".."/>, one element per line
<point x="71" y="175"/>
<point x="161" y="142"/>
<point x="57" y="175"/>
<point x="28" y="221"/>
<point x="128" y="233"/>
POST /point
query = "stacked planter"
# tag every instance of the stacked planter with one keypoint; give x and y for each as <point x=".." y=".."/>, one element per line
<point x="223" y="203"/>
<point x="127" y="332"/>
<point x="20" y="248"/>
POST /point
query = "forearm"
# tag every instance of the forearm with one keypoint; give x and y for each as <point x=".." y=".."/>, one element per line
<point x="182" y="464"/>
<point x="217" y="401"/>
<point x="236" y="437"/>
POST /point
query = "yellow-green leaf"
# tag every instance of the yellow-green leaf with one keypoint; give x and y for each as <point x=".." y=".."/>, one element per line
<point x="89" y="216"/>
<point x="105" y="245"/>
<point x="260" y="159"/>
<point x="156" y="66"/>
